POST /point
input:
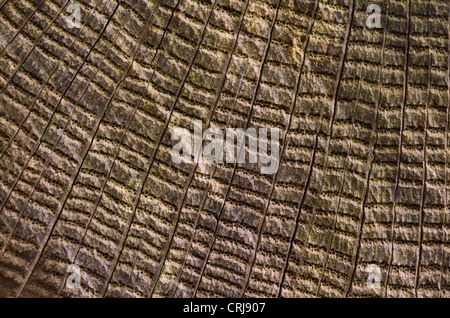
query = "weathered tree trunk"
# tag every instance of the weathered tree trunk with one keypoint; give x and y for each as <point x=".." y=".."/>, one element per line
<point x="91" y="91"/>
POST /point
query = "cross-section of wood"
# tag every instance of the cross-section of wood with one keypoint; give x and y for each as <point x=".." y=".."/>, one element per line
<point x="87" y="177"/>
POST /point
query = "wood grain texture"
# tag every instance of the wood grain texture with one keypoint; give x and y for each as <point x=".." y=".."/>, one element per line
<point x="86" y="176"/>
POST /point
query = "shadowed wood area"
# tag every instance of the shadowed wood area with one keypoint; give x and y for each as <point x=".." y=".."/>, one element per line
<point x="87" y="177"/>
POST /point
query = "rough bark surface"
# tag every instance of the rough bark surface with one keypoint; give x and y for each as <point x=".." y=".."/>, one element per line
<point x="86" y="176"/>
